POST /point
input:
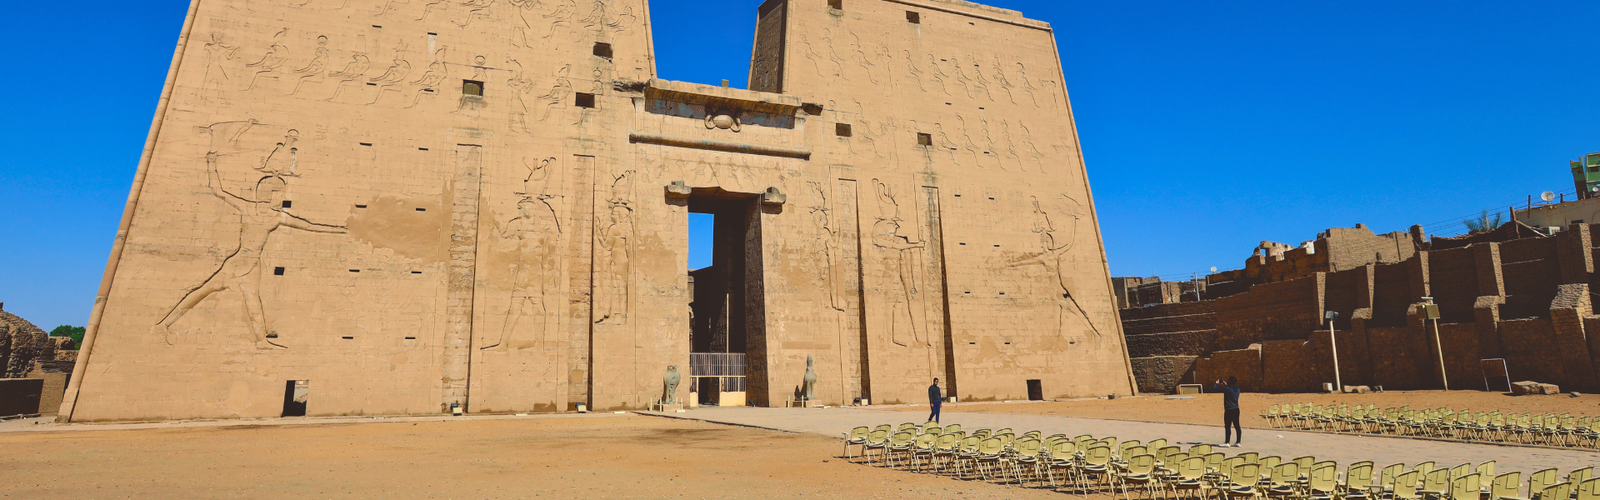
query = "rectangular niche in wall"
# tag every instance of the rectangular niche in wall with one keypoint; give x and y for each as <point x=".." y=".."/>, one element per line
<point x="295" y="393"/>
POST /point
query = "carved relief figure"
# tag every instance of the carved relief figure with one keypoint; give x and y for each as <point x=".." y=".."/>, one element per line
<point x="1027" y="85"/>
<point x="260" y="215"/>
<point x="429" y="83"/>
<point x="519" y="34"/>
<point x="861" y="59"/>
<point x="805" y="49"/>
<point x="561" y="15"/>
<point x="276" y="55"/>
<point x="916" y="73"/>
<point x="353" y="71"/>
<point x="614" y="249"/>
<point x="559" y="92"/>
<point x="216" y="74"/>
<point x="827" y="251"/>
<point x="534" y="271"/>
<point x="900" y="259"/>
<point x="1030" y="149"/>
<point x="1057" y="232"/>
<point x="520" y="86"/>
<point x="936" y="72"/>
<point x="1001" y="80"/>
<point x="316" y="68"/>
<point x="835" y="63"/>
<point x="395" y="75"/>
<point x="474" y="8"/>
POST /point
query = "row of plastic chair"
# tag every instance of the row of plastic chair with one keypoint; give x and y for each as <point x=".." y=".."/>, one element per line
<point x="1465" y="424"/>
<point x="1086" y="464"/>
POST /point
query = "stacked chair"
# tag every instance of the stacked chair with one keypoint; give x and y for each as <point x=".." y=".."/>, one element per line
<point x="1106" y="465"/>
<point x="1463" y="424"/>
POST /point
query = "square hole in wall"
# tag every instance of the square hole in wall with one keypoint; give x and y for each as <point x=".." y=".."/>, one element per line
<point x="585" y="100"/>
<point x="424" y="209"/>
<point x="913" y="17"/>
<point x="842" y="129"/>
<point x="924" y="139"/>
<point x="361" y="206"/>
<point x="472" y="88"/>
<point x="288" y="204"/>
<point x="277" y="271"/>
<point x="837" y="4"/>
<point x="602" y="49"/>
<point x="812" y="109"/>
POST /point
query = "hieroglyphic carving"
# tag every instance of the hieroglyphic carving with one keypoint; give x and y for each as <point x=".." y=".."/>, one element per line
<point x="1001" y="80"/>
<point x="260" y="215"/>
<point x="767" y="64"/>
<point x="276" y="55"/>
<point x="1030" y="149"/>
<point x="860" y="56"/>
<point x="1057" y="227"/>
<point x="936" y="72"/>
<point x="475" y="8"/>
<point x="900" y="260"/>
<point x="535" y="269"/>
<point x="316" y="69"/>
<point x="601" y="18"/>
<point x="804" y="48"/>
<point x="827" y="249"/>
<point x="519" y="33"/>
<point x="614" y="251"/>
<point x="1027" y="85"/>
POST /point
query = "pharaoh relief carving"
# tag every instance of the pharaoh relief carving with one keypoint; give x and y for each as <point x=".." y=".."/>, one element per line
<point x="602" y="18"/>
<point x="315" y="70"/>
<point x="217" y="53"/>
<point x="353" y="72"/>
<point x="614" y="254"/>
<point x="431" y="79"/>
<point x="395" y="75"/>
<point x="261" y="213"/>
<point x="535" y="268"/>
<point x="900" y="258"/>
<point x="560" y="15"/>
<point x="1055" y="221"/>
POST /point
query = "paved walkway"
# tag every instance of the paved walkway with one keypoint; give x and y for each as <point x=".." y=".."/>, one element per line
<point x="1342" y="448"/>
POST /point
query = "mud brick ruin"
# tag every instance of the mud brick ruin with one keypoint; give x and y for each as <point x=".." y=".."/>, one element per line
<point x="1519" y="293"/>
<point x="389" y="207"/>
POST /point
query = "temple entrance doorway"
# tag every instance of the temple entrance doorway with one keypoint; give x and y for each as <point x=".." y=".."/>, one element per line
<point x="726" y="308"/>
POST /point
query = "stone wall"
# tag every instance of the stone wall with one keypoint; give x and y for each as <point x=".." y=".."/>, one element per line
<point x="22" y="345"/>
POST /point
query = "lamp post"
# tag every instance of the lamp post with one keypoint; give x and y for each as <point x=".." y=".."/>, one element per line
<point x="1430" y="311"/>
<point x="1338" y="384"/>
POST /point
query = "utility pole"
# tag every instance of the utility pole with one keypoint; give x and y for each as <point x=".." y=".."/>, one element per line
<point x="1431" y="312"/>
<point x="1333" y="338"/>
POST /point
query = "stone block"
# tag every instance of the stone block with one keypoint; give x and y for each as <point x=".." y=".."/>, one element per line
<point x="1527" y="388"/>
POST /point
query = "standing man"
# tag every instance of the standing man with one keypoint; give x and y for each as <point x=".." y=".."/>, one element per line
<point x="935" y="398"/>
<point x="1230" y="411"/>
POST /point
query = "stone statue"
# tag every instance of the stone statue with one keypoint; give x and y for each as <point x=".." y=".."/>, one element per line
<point x="669" y="391"/>
<point x="810" y="382"/>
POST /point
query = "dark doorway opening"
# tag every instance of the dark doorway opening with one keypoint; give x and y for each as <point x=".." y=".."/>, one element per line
<point x="727" y="305"/>
<point x="1035" y="390"/>
<point x="294" y="397"/>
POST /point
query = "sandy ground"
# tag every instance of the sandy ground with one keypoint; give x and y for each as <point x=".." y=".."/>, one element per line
<point x="534" y="457"/>
<point x="1207" y="408"/>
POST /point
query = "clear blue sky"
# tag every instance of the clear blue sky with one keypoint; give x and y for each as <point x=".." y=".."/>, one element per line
<point x="1208" y="126"/>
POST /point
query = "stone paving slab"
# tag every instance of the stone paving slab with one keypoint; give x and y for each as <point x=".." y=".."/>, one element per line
<point x="1342" y="448"/>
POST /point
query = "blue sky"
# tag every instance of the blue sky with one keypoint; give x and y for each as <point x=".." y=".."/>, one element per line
<point x="1208" y="126"/>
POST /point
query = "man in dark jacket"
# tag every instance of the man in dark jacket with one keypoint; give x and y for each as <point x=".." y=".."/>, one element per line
<point x="935" y="398"/>
<point x="1230" y="411"/>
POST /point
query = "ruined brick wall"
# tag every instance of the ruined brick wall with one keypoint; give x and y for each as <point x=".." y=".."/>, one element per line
<point x="1398" y="357"/>
<point x="1348" y="291"/>
<point x="1162" y="374"/>
<point x="1391" y="294"/>
<point x="1346" y="248"/>
<point x="1531" y="272"/>
<point x="1530" y="350"/>
<point x="1454" y="276"/>
<point x="25" y="344"/>
<point x="1242" y="363"/>
<point x="1272" y="311"/>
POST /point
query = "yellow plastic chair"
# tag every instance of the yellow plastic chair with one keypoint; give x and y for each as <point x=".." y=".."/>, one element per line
<point x="1283" y="481"/>
<point x="1188" y="477"/>
<point x="1466" y="487"/>
<point x="1435" y="484"/>
<point x="1324" y="482"/>
<point x="856" y="437"/>
<point x="1589" y="490"/>
<point x="1242" y="481"/>
<point x="1385" y="483"/>
<point x="1540" y="480"/>
<point x="1580" y="475"/>
<point x="1507" y="487"/>
<point x="1405" y="486"/>
<point x="1558" y="491"/>
<point x="1357" y="479"/>
<point x="1138" y="473"/>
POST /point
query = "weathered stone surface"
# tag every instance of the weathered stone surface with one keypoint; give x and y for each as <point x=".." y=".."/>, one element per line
<point x="1162" y="374"/>
<point x="414" y="205"/>
<point x="21" y="344"/>
<point x="1526" y="388"/>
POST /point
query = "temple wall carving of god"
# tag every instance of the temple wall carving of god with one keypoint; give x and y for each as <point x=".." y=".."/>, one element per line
<point x="371" y="207"/>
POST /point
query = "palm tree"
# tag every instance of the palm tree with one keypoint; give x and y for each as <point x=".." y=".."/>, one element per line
<point x="1483" y="224"/>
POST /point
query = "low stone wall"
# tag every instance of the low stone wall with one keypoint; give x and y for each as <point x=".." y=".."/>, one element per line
<point x="20" y="396"/>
